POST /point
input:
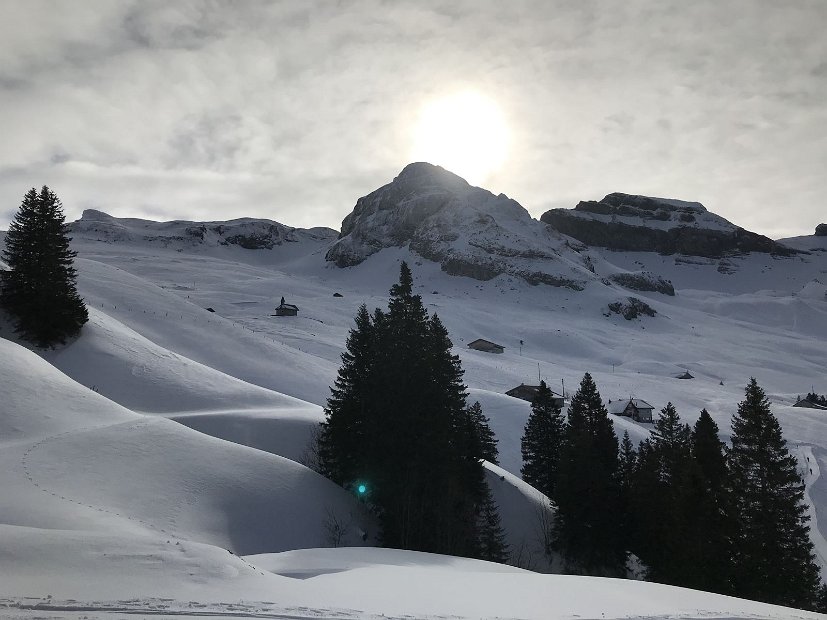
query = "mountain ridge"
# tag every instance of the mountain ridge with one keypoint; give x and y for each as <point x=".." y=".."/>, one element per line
<point x="629" y="222"/>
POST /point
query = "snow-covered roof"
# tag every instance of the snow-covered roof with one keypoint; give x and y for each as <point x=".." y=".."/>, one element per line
<point x="617" y="407"/>
<point x="483" y="341"/>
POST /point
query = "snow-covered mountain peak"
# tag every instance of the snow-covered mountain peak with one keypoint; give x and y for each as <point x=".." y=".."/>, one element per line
<point x="468" y="230"/>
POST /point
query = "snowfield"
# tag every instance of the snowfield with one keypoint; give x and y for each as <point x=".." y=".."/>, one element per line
<point x="156" y="466"/>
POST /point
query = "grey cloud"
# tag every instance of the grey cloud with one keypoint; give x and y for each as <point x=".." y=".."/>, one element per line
<point x="291" y="111"/>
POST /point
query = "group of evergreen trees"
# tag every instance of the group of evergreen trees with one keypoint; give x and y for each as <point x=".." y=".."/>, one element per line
<point x="695" y="513"/>
<point x="398" y="428"/>
<point x="817" y="399"/>
<point x="38" y="291"/>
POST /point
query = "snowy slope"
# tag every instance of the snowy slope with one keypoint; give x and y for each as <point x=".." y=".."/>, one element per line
<point x="73" y="460"/>
<point x="107" y="472"/>
<point x="106" y="513"/>
<point x="772" y="326"/>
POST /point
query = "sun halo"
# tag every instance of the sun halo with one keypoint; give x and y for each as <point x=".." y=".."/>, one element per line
<point x="465" y="133"/>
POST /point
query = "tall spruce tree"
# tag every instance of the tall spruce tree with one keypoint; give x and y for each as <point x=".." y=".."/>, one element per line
<point x="39" y="290"/>
<point x="484" y="435"/>
<point x="627" y="463"/>
<point x="492" y="545"/>
<point x="397" y="422"/>
<point x="541" y="442"/>
<point x="774" y="559"/>
<point x="661" y="481"/>
<point x="710" y="525"/>
<point x="588" y="493"/>
<point x="342" y="439"/>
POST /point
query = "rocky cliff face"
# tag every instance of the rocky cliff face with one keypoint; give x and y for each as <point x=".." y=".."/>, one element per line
<point x="644" y="224"/>
<point x="468" y="230"/>
<point x="821" y="230"/>
<point x="248" y="233"/>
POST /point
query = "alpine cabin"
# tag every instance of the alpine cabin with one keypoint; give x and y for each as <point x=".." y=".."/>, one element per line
<point x="635" y="408"/>
<point x="486" y="345"/>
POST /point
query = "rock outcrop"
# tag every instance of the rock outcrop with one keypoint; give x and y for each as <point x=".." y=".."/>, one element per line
<point x="643" y="224"/>
<point x="630" y="309"/>
<point x="821" y="230"/>
<point x="247" y="233"/>
<point x="468" y="230"/>
<point x="644" y="281"/>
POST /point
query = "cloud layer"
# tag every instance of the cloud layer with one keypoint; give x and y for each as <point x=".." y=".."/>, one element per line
<point x="291" y="111"/>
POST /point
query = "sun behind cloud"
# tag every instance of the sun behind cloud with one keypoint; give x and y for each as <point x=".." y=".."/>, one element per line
<point x="465" y="133"/>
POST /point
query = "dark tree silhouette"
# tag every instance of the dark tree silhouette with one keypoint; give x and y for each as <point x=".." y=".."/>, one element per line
<point x="588" y="491"/>
<point x="541" y="443"/>
<point x="774" y="559"/>
<point x="39" y="290"/>
<point x="710" y="523"/>
<point x="397" y="422"/>
<point x="484" y="435"/>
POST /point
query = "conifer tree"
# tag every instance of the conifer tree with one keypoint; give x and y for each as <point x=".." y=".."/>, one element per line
<point x="484" y="435"/>
<point x="39" y="290"/>
<point x="342" y="439"/>
<point x="708" y="451"/>
<point x="588" y="493"/>
<point x="492" y="544"/>
<point x="664" y="474"/>
<point x="541" y="442"/>
<point x="397" y="422"/>
<point x="627" y="463"/>
<point x="672" y="441"/>
<point x="710" y="526"/>
<point x="627" y="459"/>
<point x="774" y="559"/>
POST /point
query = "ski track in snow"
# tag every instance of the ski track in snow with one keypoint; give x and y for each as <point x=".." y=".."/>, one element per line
<point x="49" y="609"/>
<point x="54" y="438"/>
<point x="168" y="608"/>
<point x="130" y="426"/>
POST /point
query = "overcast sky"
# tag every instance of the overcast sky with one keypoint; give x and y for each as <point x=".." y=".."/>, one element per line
<point x="293" y="110"/>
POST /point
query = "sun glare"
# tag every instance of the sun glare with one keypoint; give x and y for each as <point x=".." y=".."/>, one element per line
<point x="465" y="133"/>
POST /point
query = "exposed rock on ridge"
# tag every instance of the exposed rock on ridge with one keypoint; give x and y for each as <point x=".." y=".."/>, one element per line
<point x="248" y="233"/>
<point x="468" y="230"/>
<point x="643" y="224"/>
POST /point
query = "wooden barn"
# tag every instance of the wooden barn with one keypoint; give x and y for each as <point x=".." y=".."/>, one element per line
<point x="528" y="392"/>
<point x="487" y="346"/>
<point x="637" y="409"/>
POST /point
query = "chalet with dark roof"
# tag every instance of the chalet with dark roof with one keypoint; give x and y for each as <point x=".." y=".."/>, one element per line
<point x="637" y="409"/>
<point x="528" y="392"/>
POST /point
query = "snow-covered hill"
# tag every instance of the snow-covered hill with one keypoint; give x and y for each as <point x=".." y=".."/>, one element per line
<point x="247" y="233"/>
<point x="97" y="477"/>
